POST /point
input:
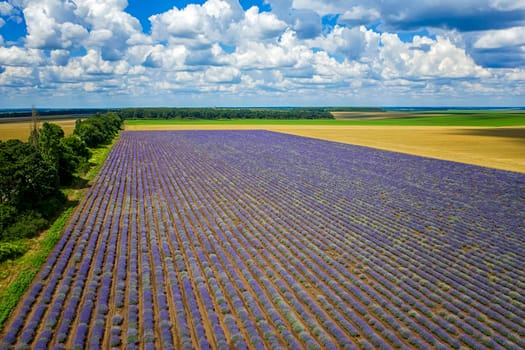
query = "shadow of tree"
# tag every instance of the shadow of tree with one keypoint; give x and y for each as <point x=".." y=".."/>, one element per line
<point x="514" y="133"/>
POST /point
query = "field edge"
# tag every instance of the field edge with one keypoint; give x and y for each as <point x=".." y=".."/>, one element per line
<point x="28" y="265"/>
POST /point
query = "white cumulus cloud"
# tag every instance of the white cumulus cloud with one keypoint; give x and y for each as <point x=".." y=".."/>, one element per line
<point x="17" y="56"/>
<point x="197" y="25"/>
<point x="48" y="24"/>
<point x="501" y="38"/>
<point x="359" y="15"/>
<point x="425" y="58"/>
<point x="259" y="26"/>
<point x="223" y="75"/>
<point x="349" y="42"/>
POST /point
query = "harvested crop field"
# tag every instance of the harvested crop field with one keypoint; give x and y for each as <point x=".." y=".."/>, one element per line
<point x="500" y="148"/>
<point x="21" y="130"/>
<point x="263" y="240"/>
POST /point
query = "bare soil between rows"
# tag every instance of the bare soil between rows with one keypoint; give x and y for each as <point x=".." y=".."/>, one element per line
<point x="499" y="147"/>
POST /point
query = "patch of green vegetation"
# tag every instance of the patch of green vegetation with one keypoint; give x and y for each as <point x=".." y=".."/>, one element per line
<point x="11" y="250"/>
<point x="354" y="109"/>
<point x="479" y="118"/>
<point x="98" y="158"/>
<point x="28" y="266"/>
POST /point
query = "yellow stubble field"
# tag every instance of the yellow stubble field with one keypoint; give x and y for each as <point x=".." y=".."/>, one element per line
<point x="21" y="130"/>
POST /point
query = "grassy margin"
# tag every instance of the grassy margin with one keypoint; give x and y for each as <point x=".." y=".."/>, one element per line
<point x="31" y="263"/>
<point x="28" y="265"/>
<point x="98" y="158"/>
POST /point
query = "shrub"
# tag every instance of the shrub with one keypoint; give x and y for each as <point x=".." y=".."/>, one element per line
<point x="27" y="226"/>
<point x="11" y="250"/>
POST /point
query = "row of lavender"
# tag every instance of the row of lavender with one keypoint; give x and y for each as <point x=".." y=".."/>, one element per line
<point x="263" y="240"/>
<point x="501" y="299"/>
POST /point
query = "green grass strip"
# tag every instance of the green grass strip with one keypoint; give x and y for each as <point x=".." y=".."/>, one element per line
<point x="98" y="158"/>
<point x="32" y="263"/>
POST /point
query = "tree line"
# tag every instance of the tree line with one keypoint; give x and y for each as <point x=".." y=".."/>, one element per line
<point x="189" y="113"/>
<point x="68" y="112"/>
<point x="224" y="113"/>
<point x="32" y="174"/>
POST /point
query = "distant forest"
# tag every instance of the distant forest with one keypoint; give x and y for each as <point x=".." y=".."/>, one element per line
<point x="186" y="113"/>
<point x="224" y="113"/>
<point x="24" y="113"/>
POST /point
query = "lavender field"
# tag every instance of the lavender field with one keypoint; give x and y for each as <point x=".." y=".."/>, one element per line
<point x="261" y="240"/>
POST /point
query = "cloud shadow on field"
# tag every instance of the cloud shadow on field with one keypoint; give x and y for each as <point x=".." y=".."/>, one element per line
<point x="514" y="133"/>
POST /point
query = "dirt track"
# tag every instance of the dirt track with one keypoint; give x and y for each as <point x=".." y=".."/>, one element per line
<point x="501" y="148"/>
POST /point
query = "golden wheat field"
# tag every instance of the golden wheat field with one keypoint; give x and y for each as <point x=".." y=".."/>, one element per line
<point x="21" y="130"/>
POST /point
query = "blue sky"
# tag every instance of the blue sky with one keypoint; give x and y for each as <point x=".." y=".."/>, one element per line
<point x="116" y="53"/>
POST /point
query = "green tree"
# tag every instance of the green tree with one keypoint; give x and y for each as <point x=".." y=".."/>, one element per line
<point x="29" y="190"/>
<point x="76" y="145"/>
<point x="74" y="156"/>
<point x="7" y="216"/>
<point x="57" y="152"/>
<point x="99" y="129"/>
<point x="90" y="133"/>
<point x="26" y="178"/>
<point x="49" y="142"/>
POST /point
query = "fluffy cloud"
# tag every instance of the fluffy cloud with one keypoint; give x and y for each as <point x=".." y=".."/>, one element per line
<point x="112" y="30"/>
<point x="223" y="75"/>
<point x="323" y="7"/>
<point x="167" y="58"/>
<point x="515" y="75"/>
<point x="259" y="26"/>
<point x="495" y="39"/>
<point x="425" y="58"/>
<point x="50" y="24"/>
<point x="197" y="25"/>
<point x="17" y="56"/>
<point x="216" y="51"/>
<point x="64" y="24"/>
<point x="358" y="15"/>
<point x="256" y="55"/>
<point x="18" y="77"/>
<point x="349" y="42"/>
